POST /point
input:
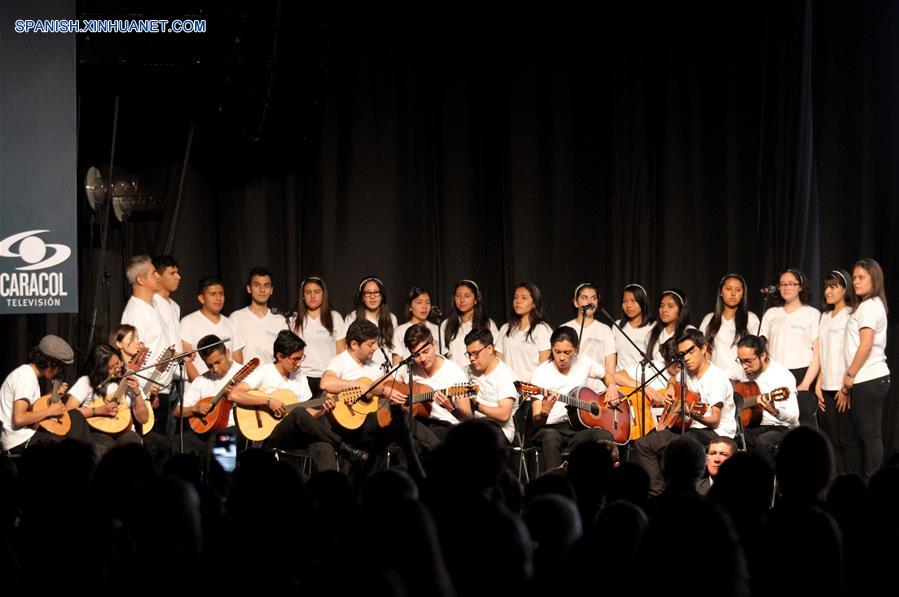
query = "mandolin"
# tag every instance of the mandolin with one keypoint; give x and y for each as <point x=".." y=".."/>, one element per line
<point x="56" y="425"/>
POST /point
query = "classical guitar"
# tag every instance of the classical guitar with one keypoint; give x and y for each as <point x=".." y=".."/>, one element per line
<point x="219" y="405"/>
<point x="56" y="425"/>
<point x="421" y="397"/>
<point x="163" y="364"/>
<point x="588" y="409"/>
<point x="642" y="418"/>
<point x="256" y="423"/>
<point x="672" y="417"/>
<point x="354" y="404"/>
<point x="751" y="415"/>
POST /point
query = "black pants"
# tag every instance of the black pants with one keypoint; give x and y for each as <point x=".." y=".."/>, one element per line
<point x="808" y="402"/>
<point x="79" y="430"/>
<point x="834" y="425"/>
<point x="554" y="439"/>
<point x="315" y="384"/>
<point x="764" y="441"/>
<point x="864" y="441"/>
<point x="649" y="450"/>
<point x="299" y="429"/>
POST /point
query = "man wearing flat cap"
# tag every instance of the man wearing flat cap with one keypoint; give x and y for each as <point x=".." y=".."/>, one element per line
<point x="21" y="389"/>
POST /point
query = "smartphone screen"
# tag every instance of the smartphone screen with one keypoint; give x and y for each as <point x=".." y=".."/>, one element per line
<point x="225" y="450"/>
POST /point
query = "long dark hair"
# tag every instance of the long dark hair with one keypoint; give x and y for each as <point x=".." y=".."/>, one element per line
<point x="805" y="292"/>
<point x="385" y="322"/>
<point x="414" y="293"/>
<point x="325" y="313"/>
<point x="876" y="272"/>
<point x="479" y="317"/>
<point x="646" y="315"/>
<point x="839" y="277"/>
<point x="535" y="317"/>
<point x="680" y="324"/>
<point x="97" y="366"/>
<point x="741" y="319"/>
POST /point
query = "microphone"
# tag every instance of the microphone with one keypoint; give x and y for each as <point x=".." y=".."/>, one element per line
<point x="588" y="307"/>
<point x="768" y="290"/>
<point x="437" y="311"/>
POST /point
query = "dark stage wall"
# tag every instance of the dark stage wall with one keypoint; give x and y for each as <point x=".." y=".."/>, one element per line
<point x="665" y="147"/>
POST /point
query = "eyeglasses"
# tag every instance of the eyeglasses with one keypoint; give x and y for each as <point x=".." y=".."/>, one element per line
<point x="748" y="361"/>
<point x="373" y="294"/>
<point x="474" y="354"/>
<point x="297" y="360"/>
<point x="788" y="284"/>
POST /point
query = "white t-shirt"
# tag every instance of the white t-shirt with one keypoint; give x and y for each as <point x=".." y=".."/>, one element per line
<point x="774" y="377"/>
<point x="345" y="367"/>
<point x="384" y="354"/>
<point x="549" y="377"/>
<point x="399" y="347"/>
<point x="724" y="351"/>
<point x="204" y="386"/>
<point x="791" y="336"/>
<point x="597" y="342"/>
<point x="493" y="387"/>
<point x="447" y="375"/>
<point x="21" y="383"/>
<point x="522" y="352"/>
<point x="171" y="315"/>
<point x="83" y="391"/>
<point x="196" y="326"/>
<point x="870" y="314"/>
<point x="714" y="387"/>
<point x="664" y="336"/>
<point x="627" y="354"/>
<point x="455" y="350"/>
<point x="266" y="378"/>
<point x="321" y="345"/>
<point x="831" y="343"/>
<point x="153" y="332"/>
<point x="259" y="333"/>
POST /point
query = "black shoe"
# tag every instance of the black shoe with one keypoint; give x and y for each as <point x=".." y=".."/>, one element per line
<point x="352" y="454"/>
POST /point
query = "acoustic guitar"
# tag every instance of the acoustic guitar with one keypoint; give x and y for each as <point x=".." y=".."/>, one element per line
<point x="56" y="425"/>
<point x="163" y="364"/>
<point x="587" y="409"/>
<point x="642" y="418"/>
<point x="256" y="423"/>
<point x="672" y="417"/>
<point x="219" y="405"/>
<point x="751" y="415"/>
<point x="351" y="407"/>
<point x="421" y="397"/>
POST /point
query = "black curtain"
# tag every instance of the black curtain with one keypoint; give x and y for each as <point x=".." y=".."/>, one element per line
<point x="665" y="145"/>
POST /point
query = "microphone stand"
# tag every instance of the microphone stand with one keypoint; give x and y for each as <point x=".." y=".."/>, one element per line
<point x="767" y="296"/>
<point x="683" y="393"/>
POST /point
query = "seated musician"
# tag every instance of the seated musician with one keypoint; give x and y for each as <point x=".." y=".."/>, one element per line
<point x="103" y="363"/>
<point x="497" y="397"/>
<point x="715" y="392"/>
<point x="21" y="389"/>
<point x="302" y="427"/>
<point x="777" y="417"/>
<point x="565" y="371"/>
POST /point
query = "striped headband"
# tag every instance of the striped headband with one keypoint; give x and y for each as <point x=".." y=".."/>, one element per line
<point x="682" y="301"/>
<point x="635" y="285"/>
<point x="367" y="280"/>
<point x="845" y="281"/>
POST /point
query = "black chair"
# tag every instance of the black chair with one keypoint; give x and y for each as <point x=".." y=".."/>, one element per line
<point x="740" y="436"/>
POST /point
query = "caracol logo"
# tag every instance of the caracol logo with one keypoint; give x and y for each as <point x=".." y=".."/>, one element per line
<point x="33" y="250"/>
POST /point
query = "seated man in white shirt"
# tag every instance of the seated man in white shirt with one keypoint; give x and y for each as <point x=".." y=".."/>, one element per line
<point x="777" y="417"/>
<point x="497" y="398"/>
<point x="302" y="427"/>
<point x="715" y="392"/>
<point x="208" y="319"/>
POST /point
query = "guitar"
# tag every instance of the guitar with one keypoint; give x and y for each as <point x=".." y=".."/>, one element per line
<point x="121" y="420"/>
<point x="588" y="409"/>
<point x="421" y="398"/>
<point x="673" y="419"/>
<point x="219" y="405"/>
<point x="56" y="425"/>
<point x="642" y="418"/>
<point x="352" y="408"/>
<point x="145" y="428"/>
<point x="256" y="423"/>
<point x="751" y="415"/>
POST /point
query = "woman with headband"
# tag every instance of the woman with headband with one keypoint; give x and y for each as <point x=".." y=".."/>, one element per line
<point x="371" y="303"/>
<point x="730" y="321"/>
<point x="523" y="341"/>
<point x="867" y="378"/>
<point x="418" y="310"/>
<point x="468" y="313"/>
<point x="597" y="341"/>
<point x="636" y="323"/>
<point x="839" y="302"/>
<point x="791" y="328"/>
<point x="674" y="318"/>
<point x="321" y="328"/>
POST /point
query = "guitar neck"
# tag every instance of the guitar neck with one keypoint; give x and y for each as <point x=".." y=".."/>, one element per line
<point x="54" y="395"/>
<point x="571" y="400"/>
<point x="753" y="400"/>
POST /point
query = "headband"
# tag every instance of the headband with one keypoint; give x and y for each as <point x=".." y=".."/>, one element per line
<point x="796" y="273"/>
<point x="845" y="281"/>
<point x="315" y="279"/>
<point x="367" y="280"/>
<point x="634" y="285"/>
<point x="582" y="286"/>
<point x="682" y="301"/>
<point x="737" y="276"/>
<point x="472" y="282"/>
